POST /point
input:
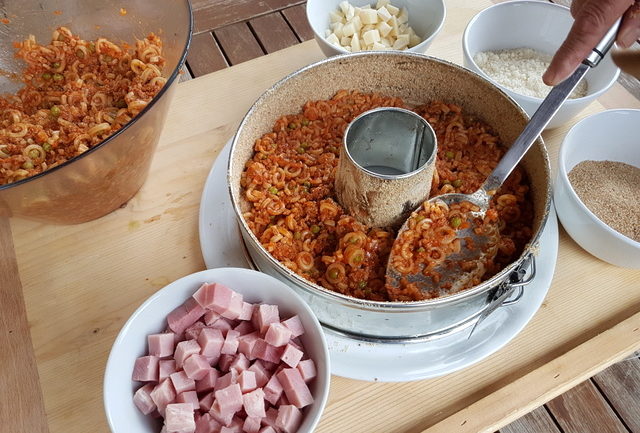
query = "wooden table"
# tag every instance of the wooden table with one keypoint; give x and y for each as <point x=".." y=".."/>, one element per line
<point x="81" y="283"/>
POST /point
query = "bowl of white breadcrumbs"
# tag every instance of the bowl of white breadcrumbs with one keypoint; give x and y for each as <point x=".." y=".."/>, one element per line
<point x="511" y="44"/>
<point x="597" y="189"/>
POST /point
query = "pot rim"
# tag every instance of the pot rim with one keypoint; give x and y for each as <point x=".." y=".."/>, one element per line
<point x="363" y="304"/>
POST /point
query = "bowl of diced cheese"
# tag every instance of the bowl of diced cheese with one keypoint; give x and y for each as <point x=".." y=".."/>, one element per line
<point x="225" y="349"/>
<point x="349" y="26"/>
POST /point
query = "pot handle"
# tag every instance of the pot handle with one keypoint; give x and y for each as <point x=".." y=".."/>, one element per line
<point x="503" y="296"/>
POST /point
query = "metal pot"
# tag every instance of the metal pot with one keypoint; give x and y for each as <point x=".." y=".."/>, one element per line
<point x="417" y="79"/>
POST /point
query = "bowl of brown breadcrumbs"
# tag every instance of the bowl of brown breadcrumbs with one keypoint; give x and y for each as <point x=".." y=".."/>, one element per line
<point x="597" y="189"/>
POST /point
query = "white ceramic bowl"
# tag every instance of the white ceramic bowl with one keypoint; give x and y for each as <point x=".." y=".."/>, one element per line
<point x="426" y="17"/>
<point x="610" y="135"/>
<point x="150" y="317"/>
<point x="540" y="25"/>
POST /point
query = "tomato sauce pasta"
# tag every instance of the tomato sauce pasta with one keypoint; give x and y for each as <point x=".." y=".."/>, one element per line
<point x="76" y="93"/>
<point x="289" y="184"/>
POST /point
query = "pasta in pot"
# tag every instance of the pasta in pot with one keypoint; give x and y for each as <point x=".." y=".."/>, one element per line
<point x="76" y="93"/>
<point x="289" y="186"/>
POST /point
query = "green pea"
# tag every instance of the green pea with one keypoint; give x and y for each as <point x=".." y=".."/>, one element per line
<point x="58" y="77"/>
<point x="307" y="184"/>
<point x="56" y="65"/>
<point x="293" y="125"/>
<point x="300" y="150"/>
<point x="107" y="58"/>
<point x="273" y="190"/>
<point x="449" y="154"/>
<point x="420" y="250"/>
<point x="362" y="284"/>
<point x="46" y="146"/>
<point x="80" y="53"/>
<point x="46" y="76"/>
<point x="305" y="122"/>
<point x="456" y="183"/>
<point x="92" y="47"/>
<point x="55" y="111"/>
<point x="34" y="154"/>
<point x="27" y="165"/>
<point x="333" y="274"/>
<point x="304" y="145"/>
<point x="455" y="222"/>
<point x="315" y="229"/>
<point x="297" y="236"/>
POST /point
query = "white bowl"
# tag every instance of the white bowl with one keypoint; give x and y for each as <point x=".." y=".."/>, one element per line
<point x="542" y="26"/>
<point x="150" y="317"/>
<point x="426" y="17"/>
<point x="610" y="135"/>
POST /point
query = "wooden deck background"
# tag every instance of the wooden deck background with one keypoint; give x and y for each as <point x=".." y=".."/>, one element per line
<point x="228" y="32"/>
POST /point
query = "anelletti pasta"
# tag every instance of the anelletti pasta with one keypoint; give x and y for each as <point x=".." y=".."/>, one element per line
<point x="76" y="93"/>
<point x="289" y="184"/>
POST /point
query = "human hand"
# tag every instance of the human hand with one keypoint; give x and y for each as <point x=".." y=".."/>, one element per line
<point x="593" y="18"/>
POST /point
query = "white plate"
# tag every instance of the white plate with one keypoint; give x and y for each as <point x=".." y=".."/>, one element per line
<point x="222" y="245"/>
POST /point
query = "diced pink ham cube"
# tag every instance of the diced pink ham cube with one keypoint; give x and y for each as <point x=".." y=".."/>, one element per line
<point x="244" y="328"/>
<point x="185" y="349"/>
<point x="230" y="398"/>
<point x="239" y="363"/>
<point x="166" y="367"/>
<point x="251" y="424"/>
<point x="247" y="381"/>
<point x="264" y="315"/>
<point x="270" y="419"/>
<point x="307" y="369"/>
<point x="145" y="369"/>
<point x="222" y="417"/>
<point x="295" y="325"/>
<point x="181" y="382"/>
<point x="190" y="397"/>
<point x="210" y="341"/>
<point x="295" y="388"/>
<point x="226" y="380"/>
<point x="291" y="356"/>
<point x="230" y="346"/>
<point x="273" y="390"/>
<point x="193" y="331"/>
<point x="289" y="418"/>
<point x="247" y="311"/>
<point x="161" y="345"/>
<point x="224" y="363"/>
<point x="246" y="343"/>
<point x="211" y="317"/>
<point x="277" y="334"/>
<point x="223" y="301"/>
<point x="206" y="424"/>
<point x="142" y="399"/>
<point x="206" y="402"/>
<point x="265" y="351"/>
<point x="234" y="427"/>
<point x="262" y="375"/>
<point x="179" y="418"/>
<point x="196" y="366"/>
<point x="268" y="429"/>
<point x="223" y="325"/>
<point x="283" y="400"/>
<point x="185" y="315"/>
<point x="253" y="403"/>
<point x="163" y="394"/>
<point x="208" y="382"/>
<point x="204" y="295"/>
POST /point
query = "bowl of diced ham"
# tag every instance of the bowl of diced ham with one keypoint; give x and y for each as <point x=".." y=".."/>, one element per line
<point x="224" y="350"/>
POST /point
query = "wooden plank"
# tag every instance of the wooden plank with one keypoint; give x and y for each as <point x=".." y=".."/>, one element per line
<point x="536" y="421"/>
<point x="185" y="75"/>
<point x="560" y="374"/>
<point x="238" y="43"/>
<point x="213" y="14"/>
<point x="620" y="384"/>
<point x="297" y="18"/>
<point x="22" y="406"/>
<point x="273" y="32"/>
<point x="205" y="55"/>
<point x="584" y="410"/>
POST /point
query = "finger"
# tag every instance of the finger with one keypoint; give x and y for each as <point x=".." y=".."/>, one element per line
<point x="591" y="23"/>
<point x="630" y="28"/>
<point x="575" y="7"/>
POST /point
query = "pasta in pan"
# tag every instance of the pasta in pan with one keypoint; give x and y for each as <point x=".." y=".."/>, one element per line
<point x="76" y="93"/>
<point x="289" y="185"/>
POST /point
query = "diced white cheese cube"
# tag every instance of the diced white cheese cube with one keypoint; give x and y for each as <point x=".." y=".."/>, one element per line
<point x="355" y="44"/>
<point x="414" y="40"/>
<point x="367" y="6"/>
<point x="384" y="14"/>
<point x="335" y="17"/>
<point x="392" y="9"/>
<point x="327" y="33"/>
<point x="381" y="3"/>
<point x="333" y="39"/>
<point x="348" y="29"/>
<point x="402" y="42"/>
<point x="403" y="17"/>
<point x="344" y="7"/>
<point x="350" y="13"/>
<point x="384" y="28"/>
<point x="386" y="42"/>
<point x="394" y="27"/>
<point x="371" y="36"/>
<point x="369" y="16"/>
<point x="348" y="48"/>
<point x="337" y="29"/>
<point x="378" y="46"/>
<point x="366" y="28"/>
<point x="344" y="41"/>
<point x="357" y="23"/>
